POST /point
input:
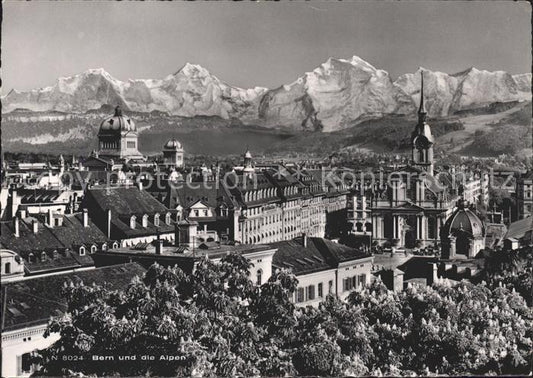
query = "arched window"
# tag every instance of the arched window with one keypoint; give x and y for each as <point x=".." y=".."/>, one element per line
<point x="82" y="251"/>
<point x="7" y="268"/>
<point x="115" y="245"/>
<point x="93" y="248"/>
<point x="31" y="257"/>
<point x="43" y="256"/>
<point x="156" y="220"/>
<point x="55" y="255"/>
<point x="167" y="218"/>
<point x="133" y="220"/>
<point x="259" y="277"/>
<point x="145" y="220"/>
<point x="104" y="247"/>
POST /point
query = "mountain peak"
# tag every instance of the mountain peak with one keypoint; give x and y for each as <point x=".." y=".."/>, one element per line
<point x="190" y="69"/>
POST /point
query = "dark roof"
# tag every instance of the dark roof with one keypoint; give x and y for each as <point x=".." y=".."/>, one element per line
<point x="519" y="228"/>
<point x="126" y="201"/>
<point x="34" y="301"/>
<point x="464" y="220"/>
<point x="320" y="254"/>
<point x="72" y="233"/>
<point x="28" y="241"/>
<point x="416" y="266"/>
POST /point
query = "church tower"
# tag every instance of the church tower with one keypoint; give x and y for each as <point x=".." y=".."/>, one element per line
<point x="421" y="139"/>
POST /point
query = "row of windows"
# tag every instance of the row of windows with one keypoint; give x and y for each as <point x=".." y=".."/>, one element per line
<point x="307" y="293"/>
<point x="354" y="282"/>
<point x="133" y="220"/>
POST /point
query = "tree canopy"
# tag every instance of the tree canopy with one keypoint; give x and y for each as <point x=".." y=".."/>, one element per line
<point x="215" y="322"/>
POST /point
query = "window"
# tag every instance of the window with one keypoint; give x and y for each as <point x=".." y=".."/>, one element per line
<point x="167" y="218"/>
<point x="7" y="268"/>
<point x="130" y="144"/>
<point x="133" y="220"/>
<point x="259" y="277"/>
<point x="330" y="287"/>
<point x="93" y="248"/>
<point x="82" y="251"/>
<point x="156" y="220"/>
<point x="145" y="220"/>
<point x="26" y="363"/>
<point x="196" y="213"/>
<point x="300" y="295"/>
<point x="320" y="290"/>
<point x="310" y="292"/>
<point x="43" y="256"/>
<point x="104" y="247"/>
<point x="362" y="279"/>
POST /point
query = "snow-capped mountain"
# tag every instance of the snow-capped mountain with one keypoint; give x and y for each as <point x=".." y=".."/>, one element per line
<point x="342" y="92"/>
<point x="473" y="88"/>
<point x="191" y="91"/>
<point x="334" y="95"/>
<point x="337" y="94"/>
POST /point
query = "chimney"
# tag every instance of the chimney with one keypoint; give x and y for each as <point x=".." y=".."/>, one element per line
<point x="35" y="226"/>
<point x="16" y="225"/>
<point x="176" y="235"/>
<point x="304" y="240"/>
<point x="158" y="244"/>
<point x="50" y="218"/>
<point x="109" y="223"/>
<point x="85" y="218"/>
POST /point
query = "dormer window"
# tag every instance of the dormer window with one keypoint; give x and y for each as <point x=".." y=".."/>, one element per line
<point x="55" y="255"/>
<point x="167" y="218"/>
<point x="133" y="221"/>
<point x="156" y="220"/>
<point x="43" y="256"/>
<point x="82" y="251"/>
<point x="115" y="245"/>
<point x="31" y="257"/>
<point x="93" y="248"/>
<point x="145" y="220"/>
<point x="104" y="247"/>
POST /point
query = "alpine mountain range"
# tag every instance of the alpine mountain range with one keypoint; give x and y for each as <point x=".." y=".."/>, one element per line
<point x="336" y="95"/>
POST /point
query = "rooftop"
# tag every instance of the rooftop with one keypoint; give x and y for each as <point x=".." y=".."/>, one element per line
<point x="34" y="301"/>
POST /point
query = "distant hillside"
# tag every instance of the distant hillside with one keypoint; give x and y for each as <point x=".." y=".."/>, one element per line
<point x="506" y="131"/>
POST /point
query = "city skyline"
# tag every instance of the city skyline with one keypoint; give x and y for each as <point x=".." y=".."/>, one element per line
<point x="257" y="44"/>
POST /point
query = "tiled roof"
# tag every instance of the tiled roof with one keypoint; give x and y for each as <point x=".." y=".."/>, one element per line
<point x="72" y="233"/>
<point x="519" y="228"/>
<point x="126" y="201"/>
<point x="34" y="301"/>
<point x="28" y="241"/>
<point x="320" y="254"/>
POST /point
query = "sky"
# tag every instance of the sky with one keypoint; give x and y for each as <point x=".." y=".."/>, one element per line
<point x="257" y="43"/>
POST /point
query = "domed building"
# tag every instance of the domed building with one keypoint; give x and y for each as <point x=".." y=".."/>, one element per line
<point x="463" y="234"/>
<point x="173" y="154"/>
<point x="118" y="138"/>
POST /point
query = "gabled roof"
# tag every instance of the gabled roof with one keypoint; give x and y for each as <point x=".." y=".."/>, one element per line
<point x="34" y="301"/>
<point x="520" y="228"/>
<point x="27" y="241"/>
<point x="72" y="233"/>
<point x="320" y="254"/>
<point x="125" y="201"/>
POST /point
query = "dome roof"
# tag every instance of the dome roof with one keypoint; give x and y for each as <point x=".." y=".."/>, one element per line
<point x="464" y="220"/>
<point x="172" y="144"/>
<point x="117" y="123"/>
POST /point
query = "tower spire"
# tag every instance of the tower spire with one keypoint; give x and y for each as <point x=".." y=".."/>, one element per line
<point x="422" y="108"/>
